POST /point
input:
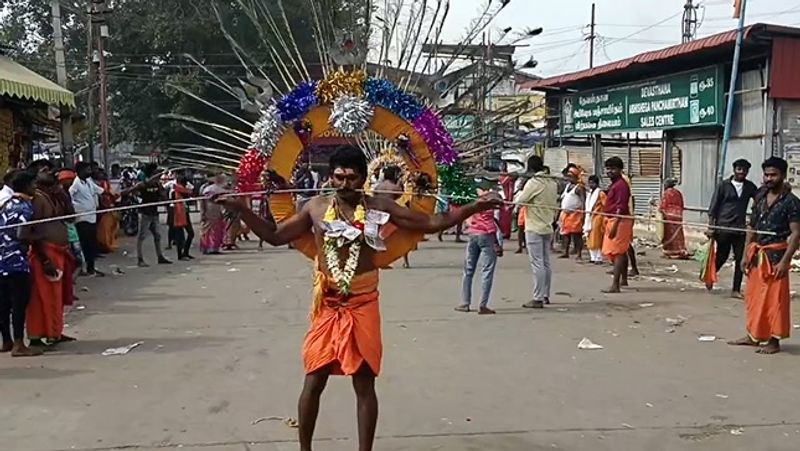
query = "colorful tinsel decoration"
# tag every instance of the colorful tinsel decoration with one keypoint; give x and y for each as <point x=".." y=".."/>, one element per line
<point x="385" y="94"/>
<point x="298" y="103"/>
<point x="458" y="188"/>
<point x="339" y="83"/>
<point x="351" y="115"/>
<point x="248" y="174"/>
<point x="267" y="130"/>
<point x="439" y="140"/>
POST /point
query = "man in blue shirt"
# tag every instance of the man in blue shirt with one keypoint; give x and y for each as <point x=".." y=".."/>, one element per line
<point x="15" y="281"/>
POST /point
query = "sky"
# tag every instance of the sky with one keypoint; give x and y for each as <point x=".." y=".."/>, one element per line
<point x="645" y="25"/>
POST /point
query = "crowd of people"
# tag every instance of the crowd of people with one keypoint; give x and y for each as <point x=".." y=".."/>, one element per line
<point x="563" y="210"/>
<point x="39" y="262"/>
<point x="55" y="225"/>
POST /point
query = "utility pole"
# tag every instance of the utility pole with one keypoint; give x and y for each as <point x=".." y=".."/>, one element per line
<point x="689" y="30"/>
<point x="100" y="10"/>
<point x="591" y="38"/>
<point x="740" y="7"/>
<point x="67" y="138"/>
<point x="88" y="154"/>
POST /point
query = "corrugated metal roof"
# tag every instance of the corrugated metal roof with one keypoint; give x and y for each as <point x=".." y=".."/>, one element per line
<point x="713" y="41"/>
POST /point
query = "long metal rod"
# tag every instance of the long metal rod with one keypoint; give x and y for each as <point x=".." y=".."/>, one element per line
<point x="726" y="134"/>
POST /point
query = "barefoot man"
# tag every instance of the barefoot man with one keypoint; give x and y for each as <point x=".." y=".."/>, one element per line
<point x="618" y="224"/>
<point x="345" y="333"/>
<point x="768" y="259"/>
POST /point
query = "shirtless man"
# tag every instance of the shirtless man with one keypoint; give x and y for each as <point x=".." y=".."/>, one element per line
<point x="331" y="348"/>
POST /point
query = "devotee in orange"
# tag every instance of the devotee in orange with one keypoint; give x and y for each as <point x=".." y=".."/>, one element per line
<point x="345" y="333"/>
<point x="618" y="224"/>
<point x="773" y="237"/>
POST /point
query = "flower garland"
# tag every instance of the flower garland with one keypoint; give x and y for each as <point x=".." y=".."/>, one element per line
<point x="343" y="275"/>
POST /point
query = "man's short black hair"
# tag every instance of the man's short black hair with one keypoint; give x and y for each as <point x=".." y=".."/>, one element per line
<point x="38" y="165"/>
<point x="349" y="157"/>
<point x="776" y="162"/>
<point x="742" y="163"/>
<point x="595" y="179"/>
<point x="615" y="162"/>
<point x="21" y="180"/>
<point x="82" y="166"/>
<point x="535" y="164"/>
<point x="9" y="176"/>
<point x="391" y="173"/>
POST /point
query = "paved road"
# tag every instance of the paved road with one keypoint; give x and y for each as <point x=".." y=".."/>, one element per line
<point x="221" y="340"/>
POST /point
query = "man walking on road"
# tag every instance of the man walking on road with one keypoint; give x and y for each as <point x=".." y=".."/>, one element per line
<point x="729" y="209"/>
<point x="773" y="236"/>
<point x="539" y="197"/>
<point x="151" y="192"/>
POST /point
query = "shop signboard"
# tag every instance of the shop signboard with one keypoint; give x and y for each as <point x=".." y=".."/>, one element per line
<point x="689" y="99"/>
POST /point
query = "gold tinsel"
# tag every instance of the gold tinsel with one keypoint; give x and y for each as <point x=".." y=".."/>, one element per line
<point x="341" y="82"/>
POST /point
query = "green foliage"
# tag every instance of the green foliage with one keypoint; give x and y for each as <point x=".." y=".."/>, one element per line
<point x="146" y="52"/>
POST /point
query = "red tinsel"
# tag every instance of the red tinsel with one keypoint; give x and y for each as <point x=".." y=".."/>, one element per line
<point x="248" y="175"/>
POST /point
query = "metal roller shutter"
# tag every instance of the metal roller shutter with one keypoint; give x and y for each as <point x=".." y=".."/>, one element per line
<point x="645" y="179"/>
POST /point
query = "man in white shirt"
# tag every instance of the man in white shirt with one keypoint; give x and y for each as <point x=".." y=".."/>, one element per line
<point x="85" y="198"/>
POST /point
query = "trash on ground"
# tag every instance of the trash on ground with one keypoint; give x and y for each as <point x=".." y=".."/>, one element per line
<point x="118" y="272"/>
<point x="627" y="426"/>
<point x="80" y="307"/>
<point x="646" y="304"/>
<point x="233" y="270"/>
<point x="672" y="269"/>
<point x="721" y="396"/>
<point x="737" y="431"/>
<point x="797" y="326"/>
<point x="121" y="350"/>
<point x="85" y="289"/>
<point x="288" y="421"/>
<point x="671" y="330"/>
<point x="587" y="344"/>
<point x="676" y="322"/>
<point x="648" y="404"/>
<point x="707" y="338"/>
<point x="563" y="309"/>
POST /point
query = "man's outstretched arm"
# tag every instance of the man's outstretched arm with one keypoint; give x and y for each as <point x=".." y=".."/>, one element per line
<point x="267" y="228"/>
<point x="408" y="219"/>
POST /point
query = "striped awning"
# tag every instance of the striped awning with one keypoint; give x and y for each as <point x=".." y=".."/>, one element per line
<point x="18" y="81"/>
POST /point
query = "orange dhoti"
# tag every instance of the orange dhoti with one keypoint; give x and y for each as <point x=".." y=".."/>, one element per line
<point x="619" y="245"/>
<point x="345" y="330"/>
<point x="45" y="314"/>
<point x="571" y="223"/>
<point x="767" y="299"/>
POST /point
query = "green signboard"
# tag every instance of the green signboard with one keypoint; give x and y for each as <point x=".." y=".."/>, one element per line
<point x="688" y="99"/>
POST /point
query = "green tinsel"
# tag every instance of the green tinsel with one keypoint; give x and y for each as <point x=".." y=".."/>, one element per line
<point x="454" y="183"/>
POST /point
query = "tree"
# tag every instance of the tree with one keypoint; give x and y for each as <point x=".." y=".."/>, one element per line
<point x="147" y="47"/>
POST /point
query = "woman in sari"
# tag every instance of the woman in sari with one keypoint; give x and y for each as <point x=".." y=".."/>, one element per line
<point x="212" y="218"/>
<point x="108" y="223"/>
<point x="593" y="224"/>
<point x="673" y="242"/>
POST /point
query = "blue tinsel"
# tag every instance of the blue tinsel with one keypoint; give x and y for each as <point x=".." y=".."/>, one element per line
<point x="296" y="104"/>
<point x="383" y="93"/>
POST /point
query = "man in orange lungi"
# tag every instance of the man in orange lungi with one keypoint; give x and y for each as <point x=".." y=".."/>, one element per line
<point x="571" y="218"/>
<point x="51" y="260"/>
<point x="345" y="333"/>
<point x="773" y="237"/>
<point x="618" y="224"/>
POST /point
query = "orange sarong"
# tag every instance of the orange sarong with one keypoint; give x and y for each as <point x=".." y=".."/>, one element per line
<point x="572" y="223"/>
<point x="767" y="299"/>
<point x="45" y="314"/>
<point x="620" y="244"/>
<point x="107" y="230"/>
<point x="345" y="329"/>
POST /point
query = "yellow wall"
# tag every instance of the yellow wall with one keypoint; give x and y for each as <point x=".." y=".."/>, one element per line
<point x="535" y="116"/>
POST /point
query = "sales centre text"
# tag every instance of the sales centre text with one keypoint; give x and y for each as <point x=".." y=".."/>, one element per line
<point x="645" y="107"/>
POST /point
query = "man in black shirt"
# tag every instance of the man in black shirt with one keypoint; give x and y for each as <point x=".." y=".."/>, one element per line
<point x="729" y="210"/>
<point x="150" y="191"/>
